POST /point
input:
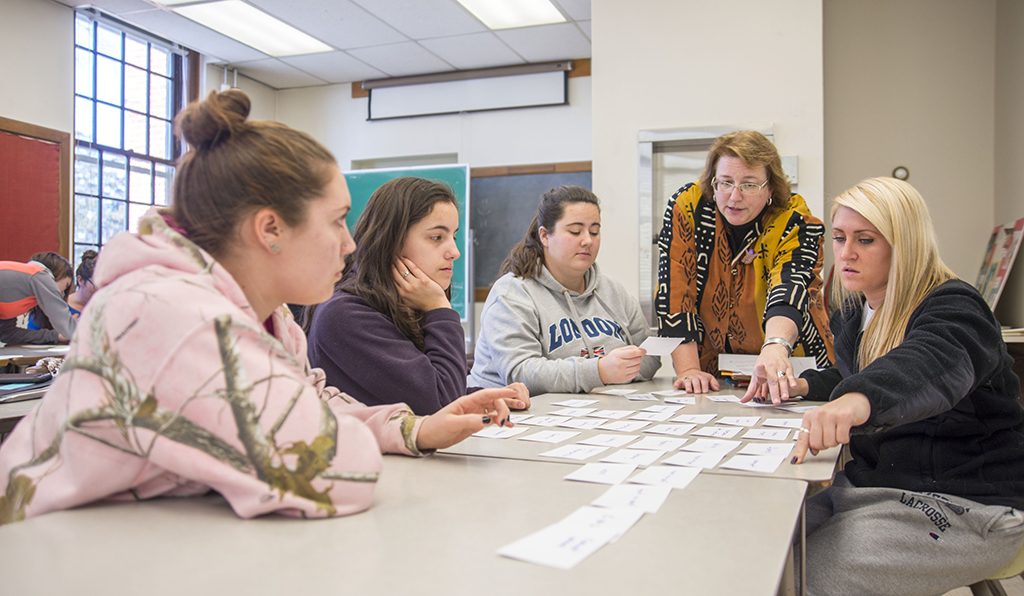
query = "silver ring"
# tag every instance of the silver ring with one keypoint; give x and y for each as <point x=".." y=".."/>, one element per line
<point x="804" y="430"/>
<point x="781" y="373"/>
<point x="406" y="274"/>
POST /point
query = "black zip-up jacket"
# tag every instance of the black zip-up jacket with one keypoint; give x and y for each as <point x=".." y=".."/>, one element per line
<point x="945" y="415"/>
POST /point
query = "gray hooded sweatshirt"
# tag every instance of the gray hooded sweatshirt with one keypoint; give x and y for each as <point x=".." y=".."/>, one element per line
<point x="536" y="332"/>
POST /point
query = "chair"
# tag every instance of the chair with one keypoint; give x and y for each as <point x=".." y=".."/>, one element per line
<point x="991" y="586"/>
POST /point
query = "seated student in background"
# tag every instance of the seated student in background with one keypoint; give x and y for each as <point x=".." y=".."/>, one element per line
<point x="924" y="394"/>
<point x="188" y="373"/>
<point x="740" y="268"/>
<point x="389" y="333"/>
<point x="552" y="321"/>
<point x="42" y="282"/>
<point x="84" y="289"/>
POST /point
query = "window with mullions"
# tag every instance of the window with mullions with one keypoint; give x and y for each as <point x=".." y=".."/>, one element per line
<point x="127" y="91"/>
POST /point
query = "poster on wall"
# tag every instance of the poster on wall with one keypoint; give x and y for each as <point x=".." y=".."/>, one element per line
<point x="999" y="257"/>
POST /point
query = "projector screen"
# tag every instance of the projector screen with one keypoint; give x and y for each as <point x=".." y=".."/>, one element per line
<point x="470" y="95"/>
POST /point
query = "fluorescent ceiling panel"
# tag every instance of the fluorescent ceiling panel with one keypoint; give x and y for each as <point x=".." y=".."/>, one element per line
<point x="253" y="27"/>
<point x="472" y="95"/>
<point x="506" y="14"/>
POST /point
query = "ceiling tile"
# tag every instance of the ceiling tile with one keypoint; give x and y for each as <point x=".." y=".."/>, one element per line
<point x="335" y="67"/>
<point x="479" y="50"/>
<point x="547" y="42"/>
<point x="277" y="74"/>
<point x="585" y="27"/>
<point x="114" y="7"/>
<point x="422" y="19"/>
<point x="577" y="10"/>
<point x="338" y="23"/>
<point x="192" y="35"/>
<point x="401" y="59"/>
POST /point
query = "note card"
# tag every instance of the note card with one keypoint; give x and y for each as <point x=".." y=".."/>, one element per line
<point x="674" y="476"/>
<point x="739" y="420"/>
<point x="711" y="445"/>
<point x="609" y="440"/>
<point x="612" y="414"/>
<point x="638" y="496"/>
<point x="564" y="544"/>
<point x="721" y="432"/>
<point x="686" y="401"/>
<point x="499" y="432"/>
<point x="517" y="418"/>
<point x="545" y="421"/>
<point x="658" y="443"/>
<point x="671" y="409"/>
<point x="782" y="449"/>
<point x="793" y="423"/>
<point x="575" y="451"/>
<point x="676" y="430"/>
<point x="572" y="412"/>
<point x="613" y="391"/>
<point x="641" y="397"/>
<point x="692" y="459"/>
<point x="694" y="418"/>
<point x="661" y="346"/>
<point x="723" y="398"/>
<point x="602" y="473"/>
<point x="626" y="426"/>
<point x="768" y="434"/>
<point x="575" y="403"/>
<point x="640" y="457"/>
<point x="582" y="423"/>
<point x="653" y="416"/>
<point x="670" y="392"/>
<point x="550" y="436"/>
<point x="755" y="463"/>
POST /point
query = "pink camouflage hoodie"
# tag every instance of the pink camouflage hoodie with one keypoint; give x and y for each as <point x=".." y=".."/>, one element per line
<point x="172" y="387"/>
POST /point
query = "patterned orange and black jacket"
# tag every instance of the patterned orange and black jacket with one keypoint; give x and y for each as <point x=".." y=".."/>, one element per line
<point x="709" y="295"/>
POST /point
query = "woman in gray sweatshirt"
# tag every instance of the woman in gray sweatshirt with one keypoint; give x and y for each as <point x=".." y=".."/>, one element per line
<point x="552" y="321"/>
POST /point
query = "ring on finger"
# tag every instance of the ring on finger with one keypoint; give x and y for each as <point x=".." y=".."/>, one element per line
<point x="804" y="429"/>
<point x="781" y="373"/>
<point x="406" y="274"/>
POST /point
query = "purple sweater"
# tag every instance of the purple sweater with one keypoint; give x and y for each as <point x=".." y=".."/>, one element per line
<point x="365" y="355"/>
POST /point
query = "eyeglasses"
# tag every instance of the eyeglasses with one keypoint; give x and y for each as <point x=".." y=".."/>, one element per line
<point x="746" y="188"/>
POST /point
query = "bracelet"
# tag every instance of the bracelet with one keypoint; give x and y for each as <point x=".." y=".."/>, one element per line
<point x="782" y="341"/>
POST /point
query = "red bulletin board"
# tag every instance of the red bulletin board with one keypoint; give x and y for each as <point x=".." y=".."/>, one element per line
<point x="33" y="191"/>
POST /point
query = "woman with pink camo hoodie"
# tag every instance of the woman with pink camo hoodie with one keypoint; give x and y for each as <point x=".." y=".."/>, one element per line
<point x="187" y="374"/>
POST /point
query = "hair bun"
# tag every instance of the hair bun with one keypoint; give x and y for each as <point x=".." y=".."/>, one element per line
<point x="205" y="123"/>
<point x="89" y="255"/>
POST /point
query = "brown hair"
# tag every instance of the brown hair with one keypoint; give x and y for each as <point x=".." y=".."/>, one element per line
<point x="236" y="166"/>
<point x="60" y="267"/>
<point x="391" y="211"/>
<point x="755" y="150"/>
<point x="86" y="267"/>
<point x="526" y="258"/>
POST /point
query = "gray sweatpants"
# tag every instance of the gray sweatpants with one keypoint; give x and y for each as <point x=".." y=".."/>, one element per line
<point x="890" y="541"/>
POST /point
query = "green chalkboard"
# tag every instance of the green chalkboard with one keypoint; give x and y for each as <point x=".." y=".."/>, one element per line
<point x="362" y="184"/>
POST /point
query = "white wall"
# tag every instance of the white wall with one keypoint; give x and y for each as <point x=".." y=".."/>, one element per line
<point x="507" y="137"/>
<point x="263" y="98"/>
<point x="912" y="83"/>
<point x="690" y="63"/>
<point x="1009" y="150"/>
<point x="36" y="41"/>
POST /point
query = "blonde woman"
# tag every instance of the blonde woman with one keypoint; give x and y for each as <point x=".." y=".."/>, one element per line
<point x="924" y="394"/>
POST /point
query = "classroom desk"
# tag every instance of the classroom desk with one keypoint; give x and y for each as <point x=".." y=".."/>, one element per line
<point x="818" y="469"/>
<point x="11" y="413"/>
<point x="434" y="529"/>
<point x="29" y="354"/>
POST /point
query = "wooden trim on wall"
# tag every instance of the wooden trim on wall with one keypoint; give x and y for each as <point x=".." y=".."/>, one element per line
<point x="63" y="141"/>
<point x="539" y="168"/>
<point x="580" y="68"/>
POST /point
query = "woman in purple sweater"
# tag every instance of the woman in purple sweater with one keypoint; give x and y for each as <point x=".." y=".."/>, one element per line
<point x="389" y="333"/>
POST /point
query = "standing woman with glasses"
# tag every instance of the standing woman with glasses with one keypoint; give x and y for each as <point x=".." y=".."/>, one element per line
<point x="740" y="269"/>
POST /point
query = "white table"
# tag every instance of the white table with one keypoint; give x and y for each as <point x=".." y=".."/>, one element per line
<point x="434" y="529"/>
<point x="818" y="469"/>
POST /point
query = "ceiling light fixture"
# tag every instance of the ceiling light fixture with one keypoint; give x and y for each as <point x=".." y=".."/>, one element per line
<point x="253" y="27"/>
<point x="506" y="14"/>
